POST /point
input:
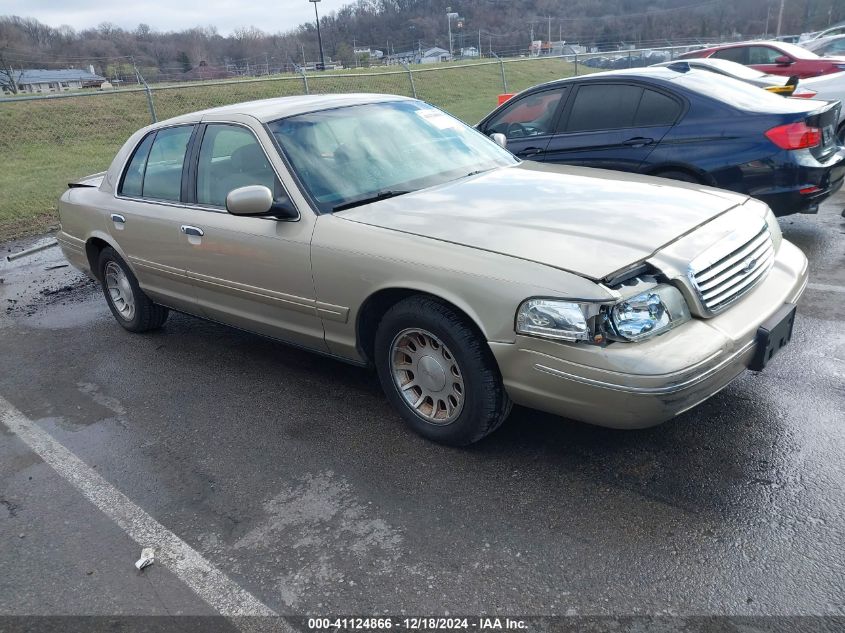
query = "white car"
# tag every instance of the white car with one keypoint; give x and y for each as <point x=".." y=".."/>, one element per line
<point x="826" y="88"/>
<point x="830" y="46"/>
<point x="837" y="29"/>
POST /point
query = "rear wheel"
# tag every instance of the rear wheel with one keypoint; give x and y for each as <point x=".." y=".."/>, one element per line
<point x="438" y="372"/>
<point x="675" y="174"/>
<point x="130" y="306"/>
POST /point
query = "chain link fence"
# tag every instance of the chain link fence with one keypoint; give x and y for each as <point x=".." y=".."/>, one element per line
<point x="47" y="141"/>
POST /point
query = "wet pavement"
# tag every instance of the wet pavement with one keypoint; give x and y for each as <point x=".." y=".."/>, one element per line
<point x="291" y="475"/>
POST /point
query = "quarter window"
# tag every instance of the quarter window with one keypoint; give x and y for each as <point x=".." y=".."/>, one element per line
<point x="230" y="157"/>
<point x="533" y="115"/>
<point x="133" y="177"/>
<point x="163" y="174"/>
<point x="603" y="107"/>
<point x="656" y="109"/>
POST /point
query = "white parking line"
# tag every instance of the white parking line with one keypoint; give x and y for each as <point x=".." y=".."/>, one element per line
<point x="208" y="582"/>
<point x="826" y="287"/>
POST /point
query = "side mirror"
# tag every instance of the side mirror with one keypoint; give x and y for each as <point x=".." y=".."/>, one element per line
<point x="257" y="201"/>
<point x="500" y="139"/>
<point x="783" y="60"/>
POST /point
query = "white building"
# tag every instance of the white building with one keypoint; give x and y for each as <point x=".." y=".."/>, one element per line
<point x="34" y="81"/>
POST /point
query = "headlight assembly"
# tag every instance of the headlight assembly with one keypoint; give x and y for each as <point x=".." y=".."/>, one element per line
<point x="649" y="313"/>
<point x="550" y="318"/>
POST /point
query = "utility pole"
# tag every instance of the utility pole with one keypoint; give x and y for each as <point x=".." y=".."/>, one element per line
<point x="319" y="37"/>
<point x="780" y="17"/>
<point x="449" y="15"/>
<point x="550" y="30"/>
<point x="479" y="43"/>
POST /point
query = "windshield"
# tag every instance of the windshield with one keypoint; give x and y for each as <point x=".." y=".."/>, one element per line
<point x="357" y="153"/>
<point x="798" y="52"/>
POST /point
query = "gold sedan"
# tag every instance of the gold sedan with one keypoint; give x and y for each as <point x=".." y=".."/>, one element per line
<point x="382" y="231"/>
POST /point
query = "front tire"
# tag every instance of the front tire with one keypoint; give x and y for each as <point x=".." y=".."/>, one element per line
<point x="130" y="306"/>
<point x="438" y="372"/>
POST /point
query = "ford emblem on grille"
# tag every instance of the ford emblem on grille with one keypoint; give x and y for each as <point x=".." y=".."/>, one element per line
<point x="748" y="264"/>
<point x="733" y="266"/>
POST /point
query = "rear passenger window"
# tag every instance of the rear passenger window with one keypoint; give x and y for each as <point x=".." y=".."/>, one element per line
<point x="133" y="177"/>
<point x="163" y="176"/>
<point x="737" y="55"/>
<point x="603" y="107"/>
<point x="656" y="109"/>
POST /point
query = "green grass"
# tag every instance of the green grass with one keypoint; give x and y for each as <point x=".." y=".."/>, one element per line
<point x="46" y="144"/>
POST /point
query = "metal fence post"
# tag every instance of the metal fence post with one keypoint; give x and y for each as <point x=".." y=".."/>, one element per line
<point x="502" y="67"/>
<point x="410" y="79"/>
<point x="576" y="64"/>
<point x="629" y="59"/>
<point x="149" y="92"/>
<point x="304" y="79"/>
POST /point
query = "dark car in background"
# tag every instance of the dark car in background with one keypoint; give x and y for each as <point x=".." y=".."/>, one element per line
<point x="687" y="125"/>
<point x="775" y="58"/>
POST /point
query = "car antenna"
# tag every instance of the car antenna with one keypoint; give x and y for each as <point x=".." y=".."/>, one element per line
<point x="680" y="67"/>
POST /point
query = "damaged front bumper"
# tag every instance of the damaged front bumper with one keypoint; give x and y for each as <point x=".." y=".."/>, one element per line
<point x="637" y="385"/>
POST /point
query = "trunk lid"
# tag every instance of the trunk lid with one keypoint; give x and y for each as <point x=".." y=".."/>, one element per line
<point x="825" y="119"/>
<point x="94" y="180"/>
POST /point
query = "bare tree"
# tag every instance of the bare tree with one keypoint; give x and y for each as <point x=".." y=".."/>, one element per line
<point x="8" y="75"/>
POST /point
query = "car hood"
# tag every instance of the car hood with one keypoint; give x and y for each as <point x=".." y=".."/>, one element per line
<point x="590" y="222"/>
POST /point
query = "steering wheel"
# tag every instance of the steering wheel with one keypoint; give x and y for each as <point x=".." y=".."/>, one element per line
<point x="516" y="130"/>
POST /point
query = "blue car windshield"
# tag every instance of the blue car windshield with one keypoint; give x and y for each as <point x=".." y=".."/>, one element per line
<point x="366" y="152"/>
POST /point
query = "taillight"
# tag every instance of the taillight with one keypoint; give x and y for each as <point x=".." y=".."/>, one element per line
<point x="804" y="93"/>
<point x="795" y="136"/>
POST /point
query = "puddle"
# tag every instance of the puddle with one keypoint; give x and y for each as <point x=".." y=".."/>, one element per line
<point x="44" y="291"/>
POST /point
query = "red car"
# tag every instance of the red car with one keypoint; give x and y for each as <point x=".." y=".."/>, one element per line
<point x="775" y="58"/>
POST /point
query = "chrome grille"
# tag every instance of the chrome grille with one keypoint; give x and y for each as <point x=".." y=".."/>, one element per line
<point x="720" y="277"/>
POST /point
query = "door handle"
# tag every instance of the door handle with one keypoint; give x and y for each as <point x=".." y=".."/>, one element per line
<point x="117" y="218"/>
<point x="192" y="230"/>
<point x="530" y="151"/>
<point x="639" y="141"/>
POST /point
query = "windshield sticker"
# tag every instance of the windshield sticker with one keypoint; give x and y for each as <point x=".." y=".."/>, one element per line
<point x="438" y="119"/>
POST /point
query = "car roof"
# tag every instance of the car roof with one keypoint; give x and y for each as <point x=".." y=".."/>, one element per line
<point x="280" y="107"/>
<point x="647" y="72"/>
<point x="793" y="49"/>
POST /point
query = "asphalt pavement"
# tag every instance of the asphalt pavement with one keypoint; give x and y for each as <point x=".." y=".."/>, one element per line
<point x="270" y="478"/>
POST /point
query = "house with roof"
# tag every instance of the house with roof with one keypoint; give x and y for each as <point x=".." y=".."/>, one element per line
<point x="34" y="81"/>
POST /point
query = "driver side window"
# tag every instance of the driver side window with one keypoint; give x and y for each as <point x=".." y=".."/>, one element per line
<point x="533" y="115"/>
<point x="230" y="157"/>
<point x="762" y="55"/>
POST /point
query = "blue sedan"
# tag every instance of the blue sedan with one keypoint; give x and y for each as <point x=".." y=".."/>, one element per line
<point x="684" y="124"/>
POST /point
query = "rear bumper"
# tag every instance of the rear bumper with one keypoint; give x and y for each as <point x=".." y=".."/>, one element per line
<point x="637" y="385"/>
<point x="803" y="186"/>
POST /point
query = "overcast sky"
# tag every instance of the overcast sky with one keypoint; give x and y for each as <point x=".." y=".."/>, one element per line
<point x="171" y="15"/>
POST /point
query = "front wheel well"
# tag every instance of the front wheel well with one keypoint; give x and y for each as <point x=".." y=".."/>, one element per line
<point x="376" y="306"/>
<point x="93" y="248"/>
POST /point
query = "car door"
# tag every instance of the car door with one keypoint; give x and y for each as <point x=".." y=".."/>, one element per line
<point x="529" y="121"/>
<point x="147" y="213"/>
<point x="612" y="125"/>
<point x="250" y="272"/>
